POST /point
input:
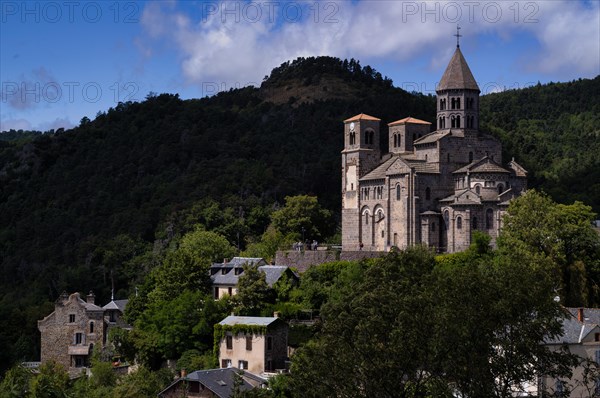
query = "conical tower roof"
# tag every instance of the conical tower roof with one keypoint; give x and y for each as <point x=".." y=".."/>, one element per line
<point x="458" y="75"/>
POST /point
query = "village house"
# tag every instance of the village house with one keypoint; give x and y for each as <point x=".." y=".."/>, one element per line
<point x="76" y="327"/>
<point x="225" y="275"/>
<point x="212" y="383"/>
<point x="256" y="344"/>
<point x="581" y="335"/>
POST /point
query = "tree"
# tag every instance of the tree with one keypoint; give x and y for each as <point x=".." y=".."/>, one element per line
<point x="253" y="292"/>
<point x="187" y="267"/>
<point x="304" y="218"/>
<point x="15" y="382"/>
<point x="51" y="382"/>
<point x="471" y="328"/>
<point x="561" y="236"/>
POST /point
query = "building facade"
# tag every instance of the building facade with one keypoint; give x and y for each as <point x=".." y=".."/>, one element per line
<point x="433" y="187"/>
<point x="256" y="344"/>
<point x="76" y="327"/>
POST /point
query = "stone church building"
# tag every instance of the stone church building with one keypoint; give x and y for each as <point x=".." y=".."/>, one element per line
<point x="432" y="188"/>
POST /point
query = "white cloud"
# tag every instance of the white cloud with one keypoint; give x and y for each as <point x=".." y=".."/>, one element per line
<point x="229" y="47"/>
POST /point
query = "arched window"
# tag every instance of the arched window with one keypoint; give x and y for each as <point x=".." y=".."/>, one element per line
<point x="458" y="223"/>
<point x="427" y="193"/>
<point x="474" y="222"/>
<point x="458" y="103"/>
<point x="452" y="121"/>
<point x="446" y="219"/>
<point x="500" y="189"/>
<point x="470" y="157"/>
<point x="478" y="189"/>
<point x="92" y="327"/>
<point x="453" y="103"/>
<point x="397" y="192"/>
<point x="489" y="219"/>
<point x="372" y="136"/>
<point x="458" y="122"/>
<point x="366" y="218"/>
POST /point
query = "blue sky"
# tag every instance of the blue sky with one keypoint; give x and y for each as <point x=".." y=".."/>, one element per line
<point x="63" y="60"/>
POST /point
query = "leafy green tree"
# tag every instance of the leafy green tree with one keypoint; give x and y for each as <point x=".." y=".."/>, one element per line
<point x="187" y="267"/>
<point x="560" y="235"/>
<point x="51" y="382"/>
<point x="253" y="292"/>
<point x="15" y="382"/>
<point x="303" y="217"/>
<point x="463" y="329"/>
<point x="143" y="383"/>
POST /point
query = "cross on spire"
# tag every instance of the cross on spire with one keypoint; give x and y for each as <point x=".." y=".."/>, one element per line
<point x="458" y="36"/>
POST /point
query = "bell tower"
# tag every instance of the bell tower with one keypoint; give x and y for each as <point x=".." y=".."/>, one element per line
<point x="458" y="95"/>
<point x="361" y="154"/>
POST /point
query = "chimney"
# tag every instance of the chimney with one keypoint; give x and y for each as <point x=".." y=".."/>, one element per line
<point x="183" y="373"/>
<point x="225" y="260"/>
<point x="91" y="298"/>
<point x="580" y="316"/>
<point x="276" y="314"/>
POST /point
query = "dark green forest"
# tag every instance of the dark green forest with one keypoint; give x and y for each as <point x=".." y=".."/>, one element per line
<point x="101" y="203"/>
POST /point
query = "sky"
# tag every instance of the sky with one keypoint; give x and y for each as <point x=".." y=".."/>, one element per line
<point x="61" y="61"/>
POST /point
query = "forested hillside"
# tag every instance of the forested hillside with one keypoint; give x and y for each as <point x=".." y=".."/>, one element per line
<point x="82" y="208"/>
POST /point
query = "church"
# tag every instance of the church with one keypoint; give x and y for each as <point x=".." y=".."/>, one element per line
<point x="432" y="188"/>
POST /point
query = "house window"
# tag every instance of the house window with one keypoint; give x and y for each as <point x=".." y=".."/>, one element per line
<point x="224" y="271"/>
<point x="500" y="189"/>
<point x="79" y="362"/>
<point x="248" y="343"/>
<point x="366" y="218"/>
<point x="243" y="365"/>
<point x="489" y="219"/>
<point x="446" y="219"/>
<point x="427" y="193"/>
<point x="474" y="222"/>
<point x="92" y="327"/>
<point x="597" y="337"/>
<point x="71" y="318"/>
<point x="225" y="363"/>
<point x="478" y="189"/>
<point x="458" y="122"/>
<point x="78" y="338"/>
<point x="458" y="103"/>
<point x="238" y="271"/>
<point x="397" y="192"/>
<point x="382" y="233"/>
<point x="230" y="291"/>
<point x="216" y="293"/>
<point x="458" y="223"/>
<point x="112" y="316"/>
<point x="269" y="343"/>
<point x="229" y="342"/>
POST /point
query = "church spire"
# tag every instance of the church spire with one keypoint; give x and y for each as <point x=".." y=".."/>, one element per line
<point x="458" y="74"/>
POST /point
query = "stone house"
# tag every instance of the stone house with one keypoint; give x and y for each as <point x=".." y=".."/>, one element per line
<point x="256" y="344"/>
<point x="433" y="187"/>
<point x="225" y="276"/>
<point x="212" y="383"/>
<point x="76" y="327"/>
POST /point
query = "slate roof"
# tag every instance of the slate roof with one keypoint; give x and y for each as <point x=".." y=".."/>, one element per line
<point x="457" y="74"/>
<point x="240" y="261"/>
<point x="381" y="171"/>
<point x="232" y="320"/>
<point x="220" y="381"/>
<point x="362" y="116"/>
<point x="483" y="165"/>
<point x="574" y="331"/>
<point x="437" y="135"/>
<point x="88" y="306"/>
<point x="408" y="120"/>
<point x="116" y="305"/>
<point x="273" y="273"/>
